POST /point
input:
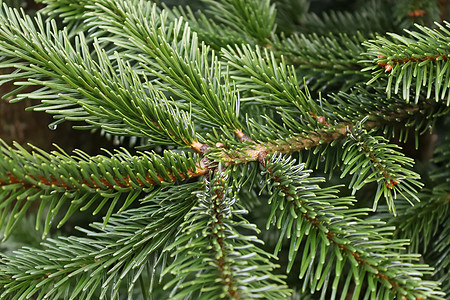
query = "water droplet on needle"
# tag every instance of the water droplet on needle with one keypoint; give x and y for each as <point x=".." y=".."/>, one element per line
<point x="52" y="126"/>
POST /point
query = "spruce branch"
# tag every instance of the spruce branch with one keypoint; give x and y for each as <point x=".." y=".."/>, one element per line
<point x="167" y="49"/>
<point x="426" y="225"/>
<point x="392" y="118"/>
<point x="227" y="22"/>
<point x="225" y="263"/>
<point x="56" y="179"/>
<point x="270" y="82"/>
<point x="75" y="266"/>
<point x="387" y="114"/>
<point x="72" y="11"/>
<point x="237" y="18"/>
<point x="299" y="207"/>
<point x="149" y="72"/>
<point x="77" y="88"/>
<point x="413" y="63"/>
<point x="251" y="18"/>
<point x="370" y="159"/>
<point x="367" y="158"/>
<point x="44" y="173"/>
<point x="262" y="74"/>
<point x="210" y="32"/>
<point x="422" y="222"/>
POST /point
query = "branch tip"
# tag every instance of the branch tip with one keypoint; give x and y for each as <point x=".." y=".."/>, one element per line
<point x="199" y="147"/>
<point x="242" y="136"/>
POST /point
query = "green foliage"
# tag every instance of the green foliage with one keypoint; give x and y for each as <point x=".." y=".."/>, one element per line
<point x="409" y="12"/>
<point x="371" y="159"/>
<point x="237" y="102"/>
<point x="373" y="16"/>
<point x="57" y="179"/>
<point x="231" y="257"/>
<point x="252" y="18"/>
<point x="97" y="265"/>
<point x="300" y="207"/>
<point x="332" y="58"/>
<point x="413" y="62"/>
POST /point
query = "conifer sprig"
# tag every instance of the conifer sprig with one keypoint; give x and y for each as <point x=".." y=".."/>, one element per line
<point x="57" y="179"/>
<point x="326" y="60"/>
<point x="300" y="208"/>
<point x="77" y="88"/>
<point x="416" y="66"/>
<point x="108" y="258"/>
<point x="370" y="159"/>
<point x="225" y="262"/>
<point x="252" y="18"/>
<point x="422" y="222"/>
<point x="208" y="30"/>
<point x="167" y="49"/>
<point x="387" y="114"/>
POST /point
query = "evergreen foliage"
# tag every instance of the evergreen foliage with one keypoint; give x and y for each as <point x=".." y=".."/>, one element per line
<point x="268" y="164"/>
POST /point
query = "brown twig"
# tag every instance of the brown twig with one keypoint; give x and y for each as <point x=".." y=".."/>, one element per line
<point x="221" y="257"/>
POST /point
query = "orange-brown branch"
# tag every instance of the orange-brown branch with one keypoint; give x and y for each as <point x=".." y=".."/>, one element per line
<point x="104" y="183"/>
<point x="258" y="152"/>
<point x="388" y="67"/>
<point x="242" y="136"/>
<point x="332" y="237"/>
<point x="255" y="152"/>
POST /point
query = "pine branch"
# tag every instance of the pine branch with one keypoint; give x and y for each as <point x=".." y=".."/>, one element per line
<point x="413" y="63"/>
<point x="337" y="235"/>
<point x="56" y="179"/>
<point x="77" y="88"/>
<point x="222" y="262"/>
<point x="109" y="257"/>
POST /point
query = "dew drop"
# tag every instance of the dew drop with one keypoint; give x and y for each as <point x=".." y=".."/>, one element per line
<point x="52" y="126"/>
